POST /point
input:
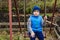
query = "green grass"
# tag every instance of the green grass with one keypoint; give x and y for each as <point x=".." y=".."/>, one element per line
<point x="16" y="35"/>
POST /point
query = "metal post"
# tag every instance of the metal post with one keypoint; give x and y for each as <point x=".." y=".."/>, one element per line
<point x="45" y="14"/>
<point x="17" y="12"/>
<point x="10" y="17"/>
<point x="25" y="18"/>
<point x="24" y="13"/>
<point x="53" y="13"/>
<point x="45" y="7"/>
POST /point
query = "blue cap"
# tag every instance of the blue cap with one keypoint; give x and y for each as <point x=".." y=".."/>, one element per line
<point x="36" y="8"/>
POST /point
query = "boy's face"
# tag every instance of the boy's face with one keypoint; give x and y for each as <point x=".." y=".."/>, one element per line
<point x="36" y="13"/>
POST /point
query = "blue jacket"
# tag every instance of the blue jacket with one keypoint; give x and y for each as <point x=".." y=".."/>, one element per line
<point x="35" y="22"/>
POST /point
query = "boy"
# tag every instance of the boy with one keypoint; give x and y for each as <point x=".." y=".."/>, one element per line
<point x="35" y="23"/>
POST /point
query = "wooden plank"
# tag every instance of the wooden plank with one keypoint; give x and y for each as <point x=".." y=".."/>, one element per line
<point x="13" y="29"/>
<point x="57" y="33"/>
<point x="21" y="15"/>
<point x="22" y="23"/>
<point x="8" y="28"/>
<point x="52" y="23"/>
<point x="14" y="23"/>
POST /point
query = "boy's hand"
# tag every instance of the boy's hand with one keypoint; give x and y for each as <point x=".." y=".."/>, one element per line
<point x="45" y="18"/>
<point x="32" y="34"/>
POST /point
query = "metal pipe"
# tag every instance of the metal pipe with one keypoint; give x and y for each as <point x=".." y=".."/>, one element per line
<point x="10" y="17"/>
<point x="53" y="13"/>
<point x="24" y="13"/>
<point x="45" y="14"/>
<point x="17" y="12"/>
<point x="25" y="19"/>
<point x="45" y="7"/>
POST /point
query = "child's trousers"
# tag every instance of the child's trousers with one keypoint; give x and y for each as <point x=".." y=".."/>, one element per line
<point x="39" y="35"/>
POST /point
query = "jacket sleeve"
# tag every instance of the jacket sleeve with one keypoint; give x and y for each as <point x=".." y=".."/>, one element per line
<point x="29" y="26"/>
<point x="43" y="22"/>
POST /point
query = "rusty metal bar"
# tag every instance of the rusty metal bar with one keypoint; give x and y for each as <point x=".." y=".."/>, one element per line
<point x="54" y="8"/>
<point x="45" y="7"/>
<point x="53" y="13"/>
<point x="17" y="12"/>
<point x="24" y="13"/>
<point x="45" y="14"/>
<point x="25" y="18"/>
<point x="10" y="17"/>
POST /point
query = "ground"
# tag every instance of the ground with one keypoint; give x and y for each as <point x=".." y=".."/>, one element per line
<point x="17" y="36"/>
